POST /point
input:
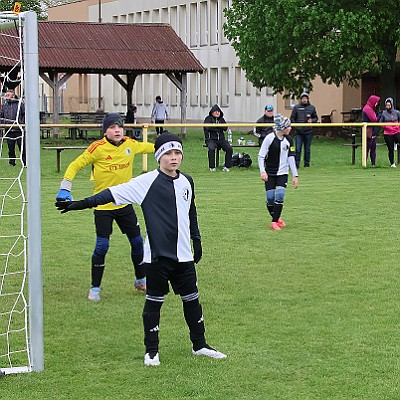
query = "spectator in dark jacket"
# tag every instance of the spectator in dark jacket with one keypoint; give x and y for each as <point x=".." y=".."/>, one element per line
<point x="267" y="118"/>
<point x="304" y="112"/>
<point x="369" y="115"/>
<point x="8" y="115"/>
<point x="215" y="138"/>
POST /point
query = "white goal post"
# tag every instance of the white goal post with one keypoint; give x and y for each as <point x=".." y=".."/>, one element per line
<point x="21" y="292"/>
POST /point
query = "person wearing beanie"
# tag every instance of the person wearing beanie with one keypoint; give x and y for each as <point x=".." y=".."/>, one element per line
<point x="215" y="138"/>
<point x="391" y="134"/>
<point x="275" y="157"/>
<point x="166" y="196"/>
<point x="304" y="113"/>
<point x="111" y="159"/>
<point x="268" y="118"/>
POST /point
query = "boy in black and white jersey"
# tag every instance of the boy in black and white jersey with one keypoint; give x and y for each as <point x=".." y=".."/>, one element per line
<point x="275" y="157"/>
<point x="166" y="196"/>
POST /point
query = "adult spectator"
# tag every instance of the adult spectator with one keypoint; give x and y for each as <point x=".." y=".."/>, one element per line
<point x="159" y="114"/>
<point x="304" y="112"/>
<point x="267" y="118"/>
<point x="215" y="138"/>
<point x="369" y="115"/>
<point x="8" y="115"/>
<point x="391" y="134"/>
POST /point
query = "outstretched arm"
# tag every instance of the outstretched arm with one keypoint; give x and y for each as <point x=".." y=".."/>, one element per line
<point x="98" y="199"/>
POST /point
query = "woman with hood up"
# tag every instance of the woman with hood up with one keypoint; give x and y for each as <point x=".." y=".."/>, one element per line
<point x="215" y="138"/>
<point x="391" y="133"/>
<point x="369" y="115"/>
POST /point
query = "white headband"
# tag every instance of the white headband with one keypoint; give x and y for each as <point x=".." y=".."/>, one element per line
<point x="167" y="147"/>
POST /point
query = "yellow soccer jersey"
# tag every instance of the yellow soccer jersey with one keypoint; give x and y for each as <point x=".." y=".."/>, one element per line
<point x="111" y="165"/>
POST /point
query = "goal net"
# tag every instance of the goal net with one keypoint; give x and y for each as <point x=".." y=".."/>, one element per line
<point x="21" y="316"/>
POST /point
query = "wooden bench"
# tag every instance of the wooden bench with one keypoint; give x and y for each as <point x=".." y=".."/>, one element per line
<point x="59" y="149"/>
<point x="80" y="118"/>
<point x="233" y="146"/>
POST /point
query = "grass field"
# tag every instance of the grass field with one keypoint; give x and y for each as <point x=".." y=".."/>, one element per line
<point x="311" y="312"/>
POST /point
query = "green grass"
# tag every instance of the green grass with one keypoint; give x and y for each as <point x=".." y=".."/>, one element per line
<point x="311" y="312"/>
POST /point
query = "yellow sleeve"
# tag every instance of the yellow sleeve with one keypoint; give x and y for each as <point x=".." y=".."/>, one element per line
<point x="142" y="148"/>
<point x="80" y="162"/>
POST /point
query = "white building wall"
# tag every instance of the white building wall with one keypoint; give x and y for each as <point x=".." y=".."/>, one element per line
<point x="199" y="25"/>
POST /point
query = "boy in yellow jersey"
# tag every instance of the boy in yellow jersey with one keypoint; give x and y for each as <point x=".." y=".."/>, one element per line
<point x="112" y="160"/>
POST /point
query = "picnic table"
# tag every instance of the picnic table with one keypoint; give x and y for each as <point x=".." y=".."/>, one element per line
<point x="59" y="149"/>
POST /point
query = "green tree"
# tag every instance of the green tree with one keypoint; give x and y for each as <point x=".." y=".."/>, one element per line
<point x="26" y="5"/>
<point x="285" y="44"/>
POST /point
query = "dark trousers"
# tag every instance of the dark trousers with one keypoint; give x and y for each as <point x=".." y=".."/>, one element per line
<point x="303" y="138"/>
<point x="159" y="129"/>
<point x="220" y="144"/>
<point x="390" y="140"/>
<point x="15" y="137"/>
<point x="371" y="149"/>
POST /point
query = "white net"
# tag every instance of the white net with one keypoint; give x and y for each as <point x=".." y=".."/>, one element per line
<point x="14" y="329"/>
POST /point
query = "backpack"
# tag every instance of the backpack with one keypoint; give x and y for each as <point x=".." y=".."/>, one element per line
<point x="241" y="160"/>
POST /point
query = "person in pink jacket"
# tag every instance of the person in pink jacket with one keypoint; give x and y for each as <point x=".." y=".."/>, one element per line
<point x="369" y="115"/>
<point x="391" y="132"/>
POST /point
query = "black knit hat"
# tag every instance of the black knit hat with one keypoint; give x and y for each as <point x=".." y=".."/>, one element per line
<point x="112" y="119"/>
<point x="165" y="142"/>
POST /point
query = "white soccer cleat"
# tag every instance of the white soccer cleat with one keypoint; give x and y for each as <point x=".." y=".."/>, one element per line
<point x="94" y="294"/>
<point x="209" y="352"/>
<point x="153" y="362"/>
<point x="225" y="169"/>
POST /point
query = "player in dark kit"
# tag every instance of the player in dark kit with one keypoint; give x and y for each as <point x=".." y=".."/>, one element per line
<point x="274" y="159"/>
<point x="166" y="197"/>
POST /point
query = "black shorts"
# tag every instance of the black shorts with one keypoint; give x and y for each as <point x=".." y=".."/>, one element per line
<point x="275" y="181"/>
<point x="181" y="275"/>
<point x="124" y="217"/>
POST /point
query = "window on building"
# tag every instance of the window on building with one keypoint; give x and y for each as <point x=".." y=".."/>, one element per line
<point x="225" y="87"/>
<point x="138" y="17"/>
<point x="164" y="15"/>
<point x="116" y="93"/>
<point x="146" y="16"/>
<point x="139" y="90"/>
<point x="193" y="25"/>
<point x="203" y="24"/>
<point x="182" y="23"/>
<point x="122" y="19"/>
<point x="164" y="88"/>
<point x="115" y="19"/>
<point x="224" y="4"/>
<point x="238" y="81"/>
<point x="173" y="95"/>
<point x="156" y="84"/>
<point x="204" y="89"/>
<point x="147" y="98"/>
<point x="156" y="16"/>
<point x="173" y="15"/>
<point x="249" y="85"/>
<point x="193" y="89"/>
<point x="83" y="91"/>
<point x="214" y="17"/>
<point x="214" y="94"/>
<point x="131" y="18"/>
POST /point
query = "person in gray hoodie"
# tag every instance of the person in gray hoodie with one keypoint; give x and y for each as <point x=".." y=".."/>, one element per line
<point x="159" y="114"/>
<point x="391" y="134"/>
<point x="304" y="112"/>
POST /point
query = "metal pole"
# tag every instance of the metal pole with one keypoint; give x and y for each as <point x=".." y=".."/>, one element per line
<point x="364" y="145"/>
<point x="32" y="130"/>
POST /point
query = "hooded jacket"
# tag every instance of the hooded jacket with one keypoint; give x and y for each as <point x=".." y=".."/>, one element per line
<point x="300" y="112"/>
<point x="216" y="133"/>
<point x="391" y="115"/>
<point x="8" y="113"/>
<point x="369" y="115"/>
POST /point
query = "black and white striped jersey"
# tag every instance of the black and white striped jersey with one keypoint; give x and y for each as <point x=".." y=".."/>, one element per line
<point x="169" y="212"/>
<point x="274" y="154"/>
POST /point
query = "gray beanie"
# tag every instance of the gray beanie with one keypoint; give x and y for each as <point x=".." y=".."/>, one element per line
<point x="112" y="119"/>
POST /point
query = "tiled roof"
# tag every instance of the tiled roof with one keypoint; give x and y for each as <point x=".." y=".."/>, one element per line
<point x="113" y="48"/>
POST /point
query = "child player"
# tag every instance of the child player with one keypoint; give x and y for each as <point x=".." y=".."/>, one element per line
<point x="275" y="157"/>
<point x="166" y="196"/>
<point x="112" y="160"/>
